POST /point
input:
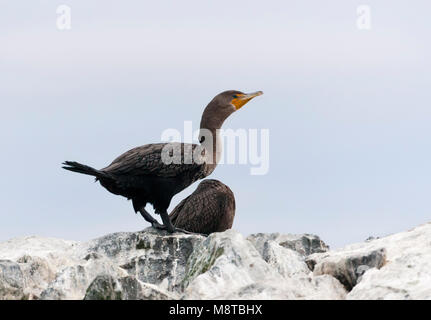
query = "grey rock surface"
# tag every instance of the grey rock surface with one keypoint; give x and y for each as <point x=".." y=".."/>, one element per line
<point x="228" y="266"/>
<point x="304" y="244"/>
<point x="11" y="280"/>
<point x="347" y="268"/>
<point x="152" y="264"/>
<point x="107" y="287"/>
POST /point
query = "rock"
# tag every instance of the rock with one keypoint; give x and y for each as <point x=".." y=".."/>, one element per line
<point x="152" y="257"/>
<point x="11" y="280"/>
<point x="37" y="275"/>
<point x="161" y="259"/>
<point x="227" y="266"/>
<point x="106" y="287"/>
<point x="103" y="287"/>
<point x="287" y="262"/>
<point x="347" y="267"/>
<point x="56" y="251"/>
<point x="407" y="271"/>
<point x="371" y="238"/>
<point x="152" y="264"/>
<point x="223" y="260"/>
<point x="360" y="270"/>
<point x="393" y="267"/>
<point x="133" y="289"/>
<point x="72" y="281"/>
<point x="304" y="244"/>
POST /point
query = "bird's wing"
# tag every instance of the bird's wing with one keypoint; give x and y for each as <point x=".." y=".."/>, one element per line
<point x="148" y="160"/>
<point x="177" y="210"/>
<point x="197" y="212"/>
<point x="202" y="210"/>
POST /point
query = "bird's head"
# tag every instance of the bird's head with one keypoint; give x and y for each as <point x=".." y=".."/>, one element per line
<point x="216" y="112"/>
<point x="226" y="103"/>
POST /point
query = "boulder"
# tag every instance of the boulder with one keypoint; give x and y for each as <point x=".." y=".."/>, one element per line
<point x="152" y="264"/>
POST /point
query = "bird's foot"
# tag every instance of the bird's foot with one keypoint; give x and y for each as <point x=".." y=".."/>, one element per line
<point x="158" y="226"/>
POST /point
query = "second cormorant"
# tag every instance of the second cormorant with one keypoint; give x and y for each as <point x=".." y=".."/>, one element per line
<point x="210" y="208"/>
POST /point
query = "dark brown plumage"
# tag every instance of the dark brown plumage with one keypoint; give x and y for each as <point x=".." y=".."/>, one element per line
<point x="211" y="208"/>
<point x="141" y="174"/>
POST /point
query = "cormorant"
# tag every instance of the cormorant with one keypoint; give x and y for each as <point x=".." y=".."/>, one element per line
<point x="148" y="174"/>
<point x="211" y="208"/>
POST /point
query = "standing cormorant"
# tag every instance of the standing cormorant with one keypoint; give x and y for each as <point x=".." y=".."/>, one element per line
<point x="211" y="208"/>
<point x="143" y="175"/>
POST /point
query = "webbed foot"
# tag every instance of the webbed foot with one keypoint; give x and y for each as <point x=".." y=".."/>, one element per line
<point x="158" y="226"/>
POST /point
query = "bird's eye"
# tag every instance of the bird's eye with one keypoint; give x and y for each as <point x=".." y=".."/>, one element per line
<point x="235" y="96"/>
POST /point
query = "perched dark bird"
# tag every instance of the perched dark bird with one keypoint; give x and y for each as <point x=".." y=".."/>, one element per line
<point x="154" y="173"/>
<point x="211" y="208"/>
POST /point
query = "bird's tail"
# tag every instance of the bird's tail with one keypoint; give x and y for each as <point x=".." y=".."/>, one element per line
<point x="82" y="168"/>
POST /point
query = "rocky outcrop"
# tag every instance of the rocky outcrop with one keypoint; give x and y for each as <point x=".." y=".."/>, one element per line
<point x="304" y="244"/>
<point x="393" y="267"/>
<point x="152" y="264"/>
<point x="347" y="267"/>
<point x="228" y="266"/>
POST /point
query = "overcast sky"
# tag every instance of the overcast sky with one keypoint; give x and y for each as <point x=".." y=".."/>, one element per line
<point x="348" y="110"/>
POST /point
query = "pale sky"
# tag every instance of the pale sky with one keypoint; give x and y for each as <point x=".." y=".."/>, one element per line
<point x="348" y="110"/>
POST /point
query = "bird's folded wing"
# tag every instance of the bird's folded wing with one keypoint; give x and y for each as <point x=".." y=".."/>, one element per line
<point x="147" y="160"/>
<point x="201" y="211"/>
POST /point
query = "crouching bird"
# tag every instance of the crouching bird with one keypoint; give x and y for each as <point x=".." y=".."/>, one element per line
<point x="154" y="173"/>
<point x="211" y="208"/>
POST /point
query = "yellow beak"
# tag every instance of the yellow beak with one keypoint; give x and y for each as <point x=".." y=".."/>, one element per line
<point x="242" y="99"/>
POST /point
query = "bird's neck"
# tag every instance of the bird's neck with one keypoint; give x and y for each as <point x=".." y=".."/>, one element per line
<point x="212" y="120"/>
<point x="209" y="137"/>
<point x="211" y="141"/>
